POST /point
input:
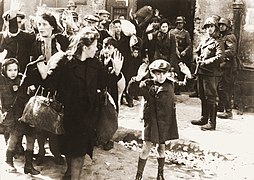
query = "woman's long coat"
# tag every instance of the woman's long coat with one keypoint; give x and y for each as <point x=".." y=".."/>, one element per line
<point x="159" y="110"/>
<point x="78" y="91"/>
<point x="31" y="45"/>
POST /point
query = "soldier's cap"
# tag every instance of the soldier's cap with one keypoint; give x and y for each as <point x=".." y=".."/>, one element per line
<point x="159" y="65"/>
<point x="91" y="18"/>
<point x="71" y="4"/>
<point x="180" y="19"/>
<point x="155" y="20"/>
<point x="103" y="11"/>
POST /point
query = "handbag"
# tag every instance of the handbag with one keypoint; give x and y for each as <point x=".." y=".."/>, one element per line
<point x="44" y="113"/>
<point x="108" y="120"/>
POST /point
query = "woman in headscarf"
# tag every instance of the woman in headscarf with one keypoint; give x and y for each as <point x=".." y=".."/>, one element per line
<point x="83" y="76"/>
<point x="40" y="72"/>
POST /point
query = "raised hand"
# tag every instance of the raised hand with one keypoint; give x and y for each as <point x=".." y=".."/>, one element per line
<point x="117" y="62"/>
<point x="15" y="6"/>
<point x="67" y="19"/>
<point x="142" y="71"/>
<point x="53" y="61"/>
<point x="184" y="69"/>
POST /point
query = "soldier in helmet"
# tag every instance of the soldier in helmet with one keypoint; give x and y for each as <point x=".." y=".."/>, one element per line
<point x="159" y="111"/>
<point x="210" y="53"/>
<point x="229" y="67"/>
<point x="183" y="41"/>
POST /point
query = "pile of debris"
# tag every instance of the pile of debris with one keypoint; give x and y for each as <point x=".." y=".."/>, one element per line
<point x="186" y="154"/>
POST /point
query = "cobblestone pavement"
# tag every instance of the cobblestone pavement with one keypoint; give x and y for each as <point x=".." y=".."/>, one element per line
<point x="224" y="154"/>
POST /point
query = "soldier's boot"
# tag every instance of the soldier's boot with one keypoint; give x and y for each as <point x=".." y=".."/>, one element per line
<point x="141" y="166"/>
<point x="211" y="125"/>
<point x="9" y="161"/>
<point x="204" y="115"/>
<point x="161" y="162"/>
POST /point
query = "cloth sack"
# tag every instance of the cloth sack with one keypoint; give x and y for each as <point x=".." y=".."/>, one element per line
<point x="2" y="116"/>
<point x="44" y="113"/>
<point x="108" y="121"/>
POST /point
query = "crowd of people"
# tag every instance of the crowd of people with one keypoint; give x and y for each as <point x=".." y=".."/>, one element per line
<point x="146" y="56"/>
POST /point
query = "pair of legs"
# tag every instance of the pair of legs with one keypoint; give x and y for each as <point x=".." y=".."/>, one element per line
<point x="225" y="92"/>
<point x="207" y="86"/>
<point x="11" y="145"/>
<point x="53" y="145"/>
<point x="74" y="168"/>
<point x="147" y="145"/>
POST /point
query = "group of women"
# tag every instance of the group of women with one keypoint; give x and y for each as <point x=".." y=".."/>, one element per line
<point x="68" y="67"/>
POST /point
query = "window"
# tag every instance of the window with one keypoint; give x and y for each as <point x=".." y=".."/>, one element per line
<point x="119" y="11"/>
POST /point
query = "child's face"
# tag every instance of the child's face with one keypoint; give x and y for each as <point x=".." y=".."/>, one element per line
<point x="135" y="53"/>
<point x="12" y="71"/>
<point x="159" y="76"/>
<point x="108" y="50"/>
<point x="164" y="28"/>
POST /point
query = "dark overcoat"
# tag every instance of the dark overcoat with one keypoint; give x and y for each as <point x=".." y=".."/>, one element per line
<point x="78" y="92"/>
<point x="159" y="110"/>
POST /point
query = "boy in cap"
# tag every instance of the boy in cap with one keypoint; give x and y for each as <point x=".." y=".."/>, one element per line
<point x="159" y="111"/>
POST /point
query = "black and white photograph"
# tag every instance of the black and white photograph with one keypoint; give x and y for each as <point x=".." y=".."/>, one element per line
<point x="126" y="89"/>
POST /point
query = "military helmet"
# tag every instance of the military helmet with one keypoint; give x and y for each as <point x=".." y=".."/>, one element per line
<point x="180" y="19"/>
<point x="160" y="65"/>
<point x="225" y="21"/>
<point x="211" y="21"/>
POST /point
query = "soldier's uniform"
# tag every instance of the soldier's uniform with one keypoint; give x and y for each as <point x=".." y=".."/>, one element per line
<point x="183" y="42"/>
<point x="211" y="52"/>
<point x="229" y="67"/>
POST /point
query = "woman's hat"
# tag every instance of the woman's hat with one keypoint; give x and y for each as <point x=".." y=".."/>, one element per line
<point x="160" y="65"/>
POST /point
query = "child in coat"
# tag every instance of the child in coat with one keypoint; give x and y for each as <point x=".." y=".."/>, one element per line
<point x="9" y="84"/>
<point x="159" y="111"/>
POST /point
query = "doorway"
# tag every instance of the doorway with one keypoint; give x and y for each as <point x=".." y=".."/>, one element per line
<point x="170" y="9"/>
